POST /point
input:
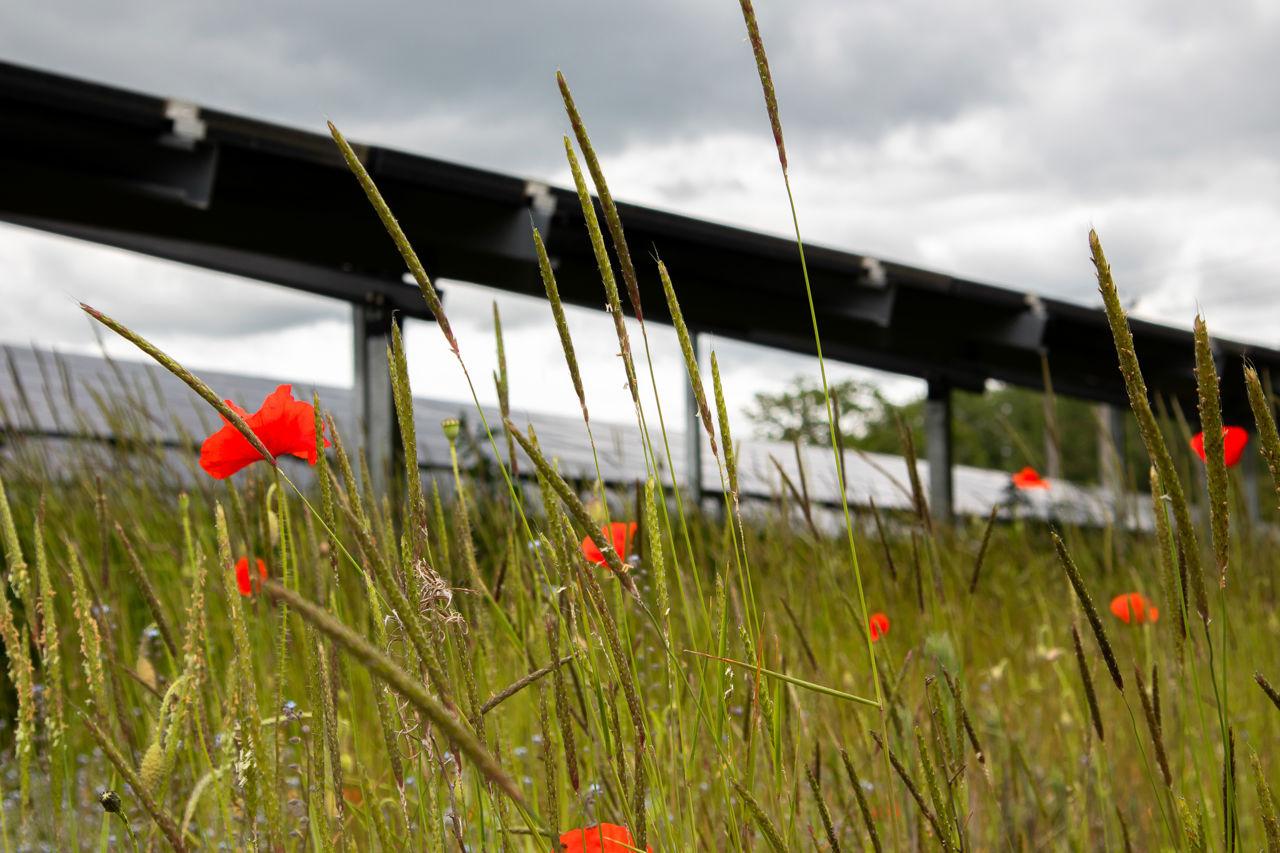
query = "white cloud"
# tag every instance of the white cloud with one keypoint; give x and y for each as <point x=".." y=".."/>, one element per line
<point x="978" y="139"/>
<point x="204" y="319"/>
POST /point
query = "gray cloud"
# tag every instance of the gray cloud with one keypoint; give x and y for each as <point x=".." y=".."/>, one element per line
<point x="979" y="138"/>
<point x="45" y="276"/>
<point x="475" y="79"/>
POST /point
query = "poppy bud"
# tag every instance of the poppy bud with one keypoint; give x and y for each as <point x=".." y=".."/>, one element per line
<point x="110" y="802"/>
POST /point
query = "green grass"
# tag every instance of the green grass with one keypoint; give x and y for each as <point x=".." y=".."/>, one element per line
<point x="1045" y="780"/>
<point x="440" y="673"/>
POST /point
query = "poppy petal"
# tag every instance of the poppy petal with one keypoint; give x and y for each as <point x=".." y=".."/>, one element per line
<point x="591" y="551"/>
<point x="1134" y="608"/>
<point x="618" y="534"/>
<point x="1234" y="441"/>
<point x="1029" y="478"/>
<point x="1120" y="607"/>
<point x="226" y="452"/>
<point x="243" y="581"/>
<point x="285" y="426"/>
<point x="602" y="838"/>
<point x="621" y="535"/>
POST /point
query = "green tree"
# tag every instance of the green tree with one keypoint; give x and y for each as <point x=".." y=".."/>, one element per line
<point x="1002" y="429"/>
<point x="796" y="414"/>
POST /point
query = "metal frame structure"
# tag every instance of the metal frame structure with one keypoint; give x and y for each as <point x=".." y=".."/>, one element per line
<point x="234" y="194"/>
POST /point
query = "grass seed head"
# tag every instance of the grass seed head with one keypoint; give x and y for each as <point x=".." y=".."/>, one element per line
<point x="1152" y="437"/>
<point x="1264" y="418"/>
<point x="1215" y="465"/>
<point x="1090" y="612"/>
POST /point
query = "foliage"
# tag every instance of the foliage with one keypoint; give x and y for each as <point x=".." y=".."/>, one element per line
<point x="798" y="413"/>
<point x="492" y="672"/>
<point x="1008" y="645"/>
<point x="1001" y="429"/>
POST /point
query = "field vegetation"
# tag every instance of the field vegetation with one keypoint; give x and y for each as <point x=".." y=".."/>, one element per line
<point x="260" y="652"/>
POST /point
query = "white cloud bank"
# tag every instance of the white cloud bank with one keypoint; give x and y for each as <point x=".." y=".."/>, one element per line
<point x="979" y="139"/>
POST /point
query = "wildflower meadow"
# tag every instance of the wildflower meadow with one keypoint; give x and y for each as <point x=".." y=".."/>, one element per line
<point x="255" y="649"/>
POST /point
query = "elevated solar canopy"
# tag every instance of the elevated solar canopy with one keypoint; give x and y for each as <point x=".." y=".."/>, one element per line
<point x="235" y="194"/>
<point x="138" y="404"/>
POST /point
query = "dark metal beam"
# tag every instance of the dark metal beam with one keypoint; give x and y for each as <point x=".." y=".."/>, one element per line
<point x="937" y="439"/>
<point x="693" y="429"/>
<point x="273" y="203"/>
<point x="320" y="280"/>
<point x="375" y="407"/>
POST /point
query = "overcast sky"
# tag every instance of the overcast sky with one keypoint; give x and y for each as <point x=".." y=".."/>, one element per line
<point x="980" y="138"/>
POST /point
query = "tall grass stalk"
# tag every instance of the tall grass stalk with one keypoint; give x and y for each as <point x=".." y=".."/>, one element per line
<point x="1219" y="521"/>
<point x="1214" y="461"/>
<point x="775" y="122"/>
<point x="429" y="641"/>
<point x="122" y="765"/>
<point x="1264" y="417"/>
<point x="403" y="683"/>
<point x="1152" y="437"/>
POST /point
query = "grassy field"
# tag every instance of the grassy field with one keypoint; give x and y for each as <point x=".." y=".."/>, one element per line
<point x="456" y="665"/>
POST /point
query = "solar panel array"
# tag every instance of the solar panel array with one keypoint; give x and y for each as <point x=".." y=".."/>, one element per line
<point x="71" y="397"/>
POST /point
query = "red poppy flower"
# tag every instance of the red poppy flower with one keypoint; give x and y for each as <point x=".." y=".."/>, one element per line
<point x="1028" y="478"/>
<point x="602" y="838"/>
<point x="1134" y="607"/>
<point x="1234" y="440"/>
<point x="244" y="580"/>
<point x="285" y="425"/>
<point x="619" y="535"/>
<point x="878" y="625"/>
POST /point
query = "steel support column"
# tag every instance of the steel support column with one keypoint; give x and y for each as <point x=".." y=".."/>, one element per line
<point x="937" y="438"/>
<point x="1249" y="479"/>
<point x="374" y="406"/>
<point x="1111" y="455"/>
<point x="693" y="431"/>
<point x="1052" y="439"/>
<point x="1052" y="458"/>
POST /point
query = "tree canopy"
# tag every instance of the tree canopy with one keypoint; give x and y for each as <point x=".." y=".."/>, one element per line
<point x="1002" y="429"/>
